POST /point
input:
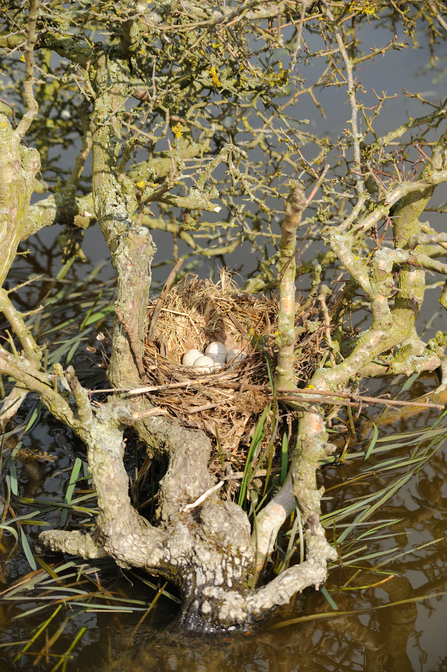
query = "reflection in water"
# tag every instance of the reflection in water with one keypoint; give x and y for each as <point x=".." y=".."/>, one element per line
<point x="340" y="643"/>
<point x="376" y="643"/>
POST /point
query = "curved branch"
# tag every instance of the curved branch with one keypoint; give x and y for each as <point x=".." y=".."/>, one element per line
<point x="73" y="543"/>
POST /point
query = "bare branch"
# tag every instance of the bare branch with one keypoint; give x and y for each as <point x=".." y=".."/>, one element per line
<point x="30" y="101"/>
<point x="294" y="208"/>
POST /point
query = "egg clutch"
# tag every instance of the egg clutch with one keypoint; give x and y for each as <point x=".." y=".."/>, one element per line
<point x="215" y="357"/>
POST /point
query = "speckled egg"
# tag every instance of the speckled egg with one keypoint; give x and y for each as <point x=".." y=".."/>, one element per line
<point x="190" y="357"/>
<point x="204" y="364"/>
<point x="217" y="351"/>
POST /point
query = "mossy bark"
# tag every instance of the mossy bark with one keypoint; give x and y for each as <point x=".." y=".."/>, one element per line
<point x="294" y="208"/>
<point x="18" y="168"/>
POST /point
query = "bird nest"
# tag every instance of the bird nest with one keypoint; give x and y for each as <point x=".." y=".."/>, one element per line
<point x="225" y="404"/>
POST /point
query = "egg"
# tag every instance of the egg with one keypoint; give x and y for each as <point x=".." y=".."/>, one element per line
<point x="190" y="357"/>
<point x="235" y="356"/>
<point x="217" y="351"/>
<point x="205" y="364"/>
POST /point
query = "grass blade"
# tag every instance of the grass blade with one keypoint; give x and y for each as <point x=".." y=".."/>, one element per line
<point x="284" y="458"/>
<point x="324" y="592"/>
<point x="257" y="438"/>
<point x="373" y="441"/>
<point x="70" y="489"/>
<point x="39" y="631"/>
<point x="27" y="550"/>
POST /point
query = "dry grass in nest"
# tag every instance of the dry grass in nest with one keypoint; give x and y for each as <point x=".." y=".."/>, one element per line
<point x="227" y="403"/>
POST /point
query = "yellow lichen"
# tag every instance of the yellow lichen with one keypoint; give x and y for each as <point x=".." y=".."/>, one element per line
<point x="178" y="130"/>
<point x="367" y="7"/>
<point x="215" y="77"/>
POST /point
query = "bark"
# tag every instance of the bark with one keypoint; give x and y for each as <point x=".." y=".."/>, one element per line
<point x="287" y="271"/>
<point x="18" y="168"/>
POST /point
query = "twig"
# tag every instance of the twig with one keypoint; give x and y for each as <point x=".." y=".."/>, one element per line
<point x="169" y="386"/>
<point x="30" y="101"/>
<point x="327" y="320"/>
<point x="344" y="396"/>
<point x="23" y="284"/>
<point x="393" y="402"/>
<point x="351" y="90"/>
<point x="434" y="9"/>
<point x="259" y="474"/>
<point x="150" y="413"/>
<point x="323" y="400"/>
<point x="203" y="497"/>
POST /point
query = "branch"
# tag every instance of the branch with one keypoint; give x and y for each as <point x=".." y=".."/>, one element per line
<point x="120" y="531"/>
<point x="294" y="208"/>
<point x="235" y="607"/>
<point x="389" y="328"/>
<point x="11" y="404"/>
<point x="228" y="17"/>
<point x="73" y="543"/>
<point x="188" y="452"/>
<point x="15" y="319"/>
<point x="442" y="22"/>
<point x="13" y="401"/>
<point x="45" y="385"/>
<point x="17" y="170"/>
<point x="413" y="123"/>
<point x="270" y="520"/>
<point x="30" y="101"/>
<point x="356" y="135"/>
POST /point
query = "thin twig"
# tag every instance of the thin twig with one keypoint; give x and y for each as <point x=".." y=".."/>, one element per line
<point x="23" y="284"/>
<point x="203" y="497"/>
<point x="259" y="474"/>
<point x="344" y="397"/>
<point x="351" y="90"/>
<point x="434" y="9"/>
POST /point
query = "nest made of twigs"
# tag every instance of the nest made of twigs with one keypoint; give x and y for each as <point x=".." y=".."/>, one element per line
<point x="191" y="315"/>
